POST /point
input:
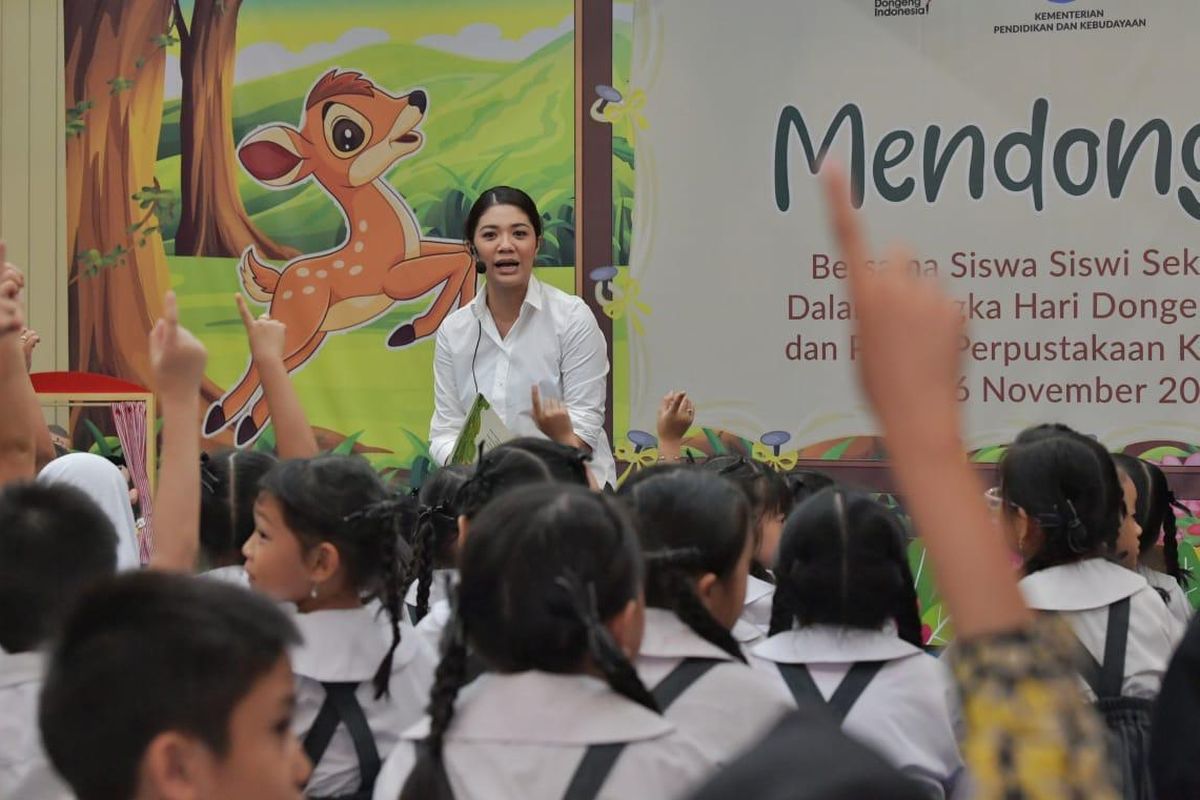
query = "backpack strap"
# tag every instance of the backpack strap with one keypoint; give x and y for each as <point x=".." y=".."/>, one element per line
<point x="805" y="690"/>
<point x="1107" y="679"/>
<point x="680" y="679"/>
<point x="598" y="761"/>
<point x="341" y="706"/>
<point x="1116" y="639"/>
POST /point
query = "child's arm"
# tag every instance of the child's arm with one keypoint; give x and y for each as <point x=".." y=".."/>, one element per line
<point x="675" y="415"/>
<point x="177" y="359"/>
<point x="1028" y="728"/>
<point x="43" y="446"/>
<point x="909" y="369"/>
<point x="16" y="434"/>
<point x="294" y="436"/>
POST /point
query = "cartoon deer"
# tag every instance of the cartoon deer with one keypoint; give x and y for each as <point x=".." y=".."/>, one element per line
<point x="351" y="133"/>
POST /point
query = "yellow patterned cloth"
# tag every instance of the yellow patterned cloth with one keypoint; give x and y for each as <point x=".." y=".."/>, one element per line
<point x="1029" y="731"/>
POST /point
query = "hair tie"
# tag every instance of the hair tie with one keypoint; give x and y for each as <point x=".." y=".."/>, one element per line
<point x="208" y="479"/>
<point x="1174" y="502"/>
<point x="582" y="601"/>
<point x="427" y="513"/>
<point x="1074" y="527"/>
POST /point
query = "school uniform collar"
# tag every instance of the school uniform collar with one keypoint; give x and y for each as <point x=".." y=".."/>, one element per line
<point x="745" y="633"/>
<point x="830" y="644"/>
<point x="348" y="644"/>
<point x="535" y="297"/>
<point x="667" y="636"/>
<point x="19" y="668"/>
<point x="1083" y="585"/>
<point x="546" y="708"/>
<point x="757" y="589"/>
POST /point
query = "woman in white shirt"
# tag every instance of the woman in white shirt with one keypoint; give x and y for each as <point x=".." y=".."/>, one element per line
<point x="845" y="633"/>
<point x="549" y="599"/>
<point x="697" y="539"/>
<point x="535" y="352"/>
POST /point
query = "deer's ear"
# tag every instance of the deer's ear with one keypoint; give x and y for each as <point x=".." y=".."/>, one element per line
<point x="275" y="155"/>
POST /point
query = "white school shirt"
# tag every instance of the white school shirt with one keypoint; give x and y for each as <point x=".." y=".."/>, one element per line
<point x="730" y="707"/>
<point x="1177" y="599"/>
<point x="432" y="625"/>
<point x="756" y="610"/>
<point x="907" y="713"/>
<point x="555" y="339"/>
<point x="522" y="735"/>
<point x="25" y="771"/>
<point x="1082" y="592"/>
<point x="347" y="645"/>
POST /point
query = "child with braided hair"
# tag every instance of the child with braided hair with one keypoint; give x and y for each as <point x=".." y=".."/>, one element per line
<point x="550" y="599"/>
<point x="328" y="544"/>
<point x="697" y="538"/>
<point x="434" y="540"/>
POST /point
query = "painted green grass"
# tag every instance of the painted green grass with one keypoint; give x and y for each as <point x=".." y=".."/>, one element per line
<point x="354" y="383"/>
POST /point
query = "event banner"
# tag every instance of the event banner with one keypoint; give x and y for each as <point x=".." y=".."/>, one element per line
<point x="1042" y="158"/>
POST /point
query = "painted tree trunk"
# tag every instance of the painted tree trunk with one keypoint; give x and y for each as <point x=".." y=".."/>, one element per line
<point x="213" y="219"/>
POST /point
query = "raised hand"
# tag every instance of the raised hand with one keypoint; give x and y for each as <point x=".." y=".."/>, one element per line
<point x="176" y="356"/>
<point x="551" y="417"/>
<point x="29" y="341"/>
<point x="676" y="413"/>
<point x="266" y="335"/>
<point x="909" y="331"/>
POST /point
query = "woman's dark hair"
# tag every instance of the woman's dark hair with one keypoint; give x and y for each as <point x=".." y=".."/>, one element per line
<point x="1155" y="512"/>
<point x="544" y="568"/>
<point x="148" y="652"/>
<point x="497" y="472"/>
<point x="690" y="523"/>
<point x="766" y="490"/>
<point x="566" y="464"/>
<point x="341" y="500"/>
<point x="843" y="560"/>
<point x="1070" y="489"/>
<point x="502" y="196"/>
<point x="228" y="485"/>
<point x="436" y="530"/>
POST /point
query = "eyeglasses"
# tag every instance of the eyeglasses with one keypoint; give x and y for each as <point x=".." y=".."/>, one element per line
<point x="995" y="500"/>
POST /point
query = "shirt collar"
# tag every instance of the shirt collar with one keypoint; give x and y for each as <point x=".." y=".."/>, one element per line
<point x="745" y="633"/>
<point x="1083" y="585"/>
<point x="535" y="298"/>
<point x="348" y="644"/>
<point x="757" y="589"/>
<point x="546" y="708"/>
<point x="829" y="644"/>
<point x="667" y="636"/>
<point x="19" y="668"/>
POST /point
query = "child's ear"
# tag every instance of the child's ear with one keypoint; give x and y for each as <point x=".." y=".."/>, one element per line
<point x="323" y="562"/>
<point x="276" y="155"/>
<point x="463" y="526"/>
<point x="705" y="585"/>
<point x="1031" y="537"/>
<point x="174" y="767"/>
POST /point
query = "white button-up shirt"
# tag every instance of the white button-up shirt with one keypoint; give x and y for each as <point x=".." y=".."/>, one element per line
<point x="908" y="713"/>
<point x="554" y="341"/>
<point x="25" y="772"/>
<point x="522" y="735"/>
<point x="730" y="708"/>
<point x="1082" y="592"/>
